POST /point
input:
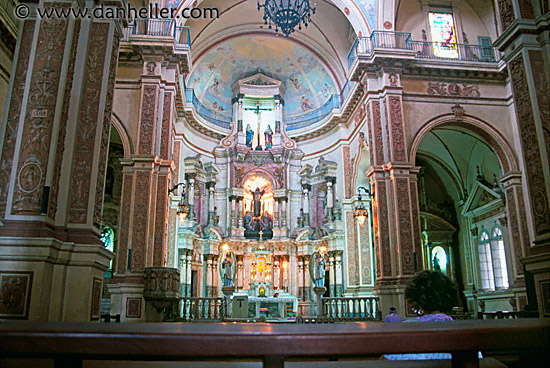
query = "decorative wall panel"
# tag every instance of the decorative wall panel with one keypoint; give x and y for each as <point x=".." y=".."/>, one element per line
<point x="166" y="119"/>
<point x="147" y="123"/>
<point x="54" y="190"/>
<point x="406" y="247"/>
<point x="506" y="13"/>
<point x="397" y="129"/>
<point x="530" y="146"/>
<point x="378" y="136"/>
<point x="124" y="229"/>
<point x="88" y="121"/>
<point x="140" y="220"/>
<point x="14" y="112"/>
<point x="95" y="310"/>
<point x="39" y="119"/>
<point x="352" y="250"/>
<point x="348" y="170"/>
<point x="15" y="294"/>
<point x="383" y="228"/>
<point x="105" y="133"/>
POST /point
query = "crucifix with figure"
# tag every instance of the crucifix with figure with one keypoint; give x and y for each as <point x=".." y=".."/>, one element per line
<point x="257" y="110"/>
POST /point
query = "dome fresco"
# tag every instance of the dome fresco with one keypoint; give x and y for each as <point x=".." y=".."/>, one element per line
<point x="308" y="83"/>
<point x="369" y="8"/>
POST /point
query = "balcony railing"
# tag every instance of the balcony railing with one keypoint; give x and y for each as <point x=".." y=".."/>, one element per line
<point x="202" y="309"/>
<point x="292" y="123"/>
<point x="208" y="114"/>
<point x="158" y="28"/>
<point x="352" y="308"/>
<point x="422" y="49"/>
<point x="463" y="52"/>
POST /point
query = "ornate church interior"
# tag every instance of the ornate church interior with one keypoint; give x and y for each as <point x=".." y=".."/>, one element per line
<point x="164" y="169"/>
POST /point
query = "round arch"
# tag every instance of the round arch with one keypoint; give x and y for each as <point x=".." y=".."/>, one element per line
<point x="124" y="136"/>
<point x="485" y="131"/>
<point x="348" y="7"/>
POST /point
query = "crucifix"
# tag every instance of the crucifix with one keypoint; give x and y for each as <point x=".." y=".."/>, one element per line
<point x="257" y="110"/>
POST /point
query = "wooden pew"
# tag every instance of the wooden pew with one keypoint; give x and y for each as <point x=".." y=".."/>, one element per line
<point x="71" y="343"/>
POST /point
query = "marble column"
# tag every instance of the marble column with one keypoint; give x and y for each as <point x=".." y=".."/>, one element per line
<point x="523" y="43"/>
<point x="240" y="272"/>
<point x="307" y="280"/>
<point x="182" y="266"/>
<point x="284" y="212"/>
<point x="189" y="270"/>
<point x="395" y="208"/>
<point x="330" y="198"/>
<point x="52" y="181"/>
<point x="191" y="195"/>
<point x="332" y="274"/>
<point x="240" y="212"/>
<point x="305" y="203"/>
<point x="300" y="279"/>
<point x="276" y="274"/>
<point x="208" y="269"/>
<point x="232" y="208"/>
<point x="276" y="213"/>
<point x="339" y="282"/>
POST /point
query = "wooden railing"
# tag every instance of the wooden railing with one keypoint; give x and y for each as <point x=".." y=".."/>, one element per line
<point x="202" y="309"/>
<point x="506" y="315"/>
<point x="70" y="343"/>
<point x="351" y="308"/>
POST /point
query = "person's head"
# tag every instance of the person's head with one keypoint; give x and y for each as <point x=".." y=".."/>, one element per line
<point x="432" y="291"/>
<point x="392" y="310"/>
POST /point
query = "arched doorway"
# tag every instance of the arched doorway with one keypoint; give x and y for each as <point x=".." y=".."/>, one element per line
<point x="464" y="213"/>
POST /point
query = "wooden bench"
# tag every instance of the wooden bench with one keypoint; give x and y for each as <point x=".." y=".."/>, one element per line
<point x="71" y="343"/>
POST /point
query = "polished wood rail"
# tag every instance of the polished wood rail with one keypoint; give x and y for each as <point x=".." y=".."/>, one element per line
<point x="70" y="343"/>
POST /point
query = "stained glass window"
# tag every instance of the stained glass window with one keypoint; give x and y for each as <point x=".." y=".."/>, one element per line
<point x="443" y="35"/>
<point x="108" y="239"/>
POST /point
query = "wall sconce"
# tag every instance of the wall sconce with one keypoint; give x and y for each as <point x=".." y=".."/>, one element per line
<point x="361" y="213"/>
<point x="183" y="208"/>
<point x="322" y="250"/>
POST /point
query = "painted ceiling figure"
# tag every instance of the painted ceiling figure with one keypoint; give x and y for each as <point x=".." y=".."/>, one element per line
<point x="256" y="197"/>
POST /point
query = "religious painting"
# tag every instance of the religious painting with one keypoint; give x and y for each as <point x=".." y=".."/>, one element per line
<point x="96" y="299"/>
<point x="301" y="72"/>
<point x="133" y="307"/>
<point x="15" y="294"/>
<point x="443" y="35"/>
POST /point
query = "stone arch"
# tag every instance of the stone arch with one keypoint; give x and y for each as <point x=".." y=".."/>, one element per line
<point x="261" y="172"/>
<point x="484" y="130"/>
<point x="348" y="7"/>
<point x="124" y="136"/>
<point x="510" y="178"/>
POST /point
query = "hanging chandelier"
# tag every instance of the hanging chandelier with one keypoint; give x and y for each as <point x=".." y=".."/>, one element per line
<point x="287" y="14"/>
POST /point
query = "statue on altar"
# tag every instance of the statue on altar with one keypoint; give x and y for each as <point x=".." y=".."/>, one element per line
<point x="266" y="222"/>
<point x="249" y="135"/>
<point x="256" y="200"/>
<point x="319" y="270"/>
<point x="268" y="133"/>
<point x="227" y="266"/>
<point x="248" y="221"/>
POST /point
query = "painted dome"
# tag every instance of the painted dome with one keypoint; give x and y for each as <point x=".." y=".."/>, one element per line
<point x="309" y="83"/>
